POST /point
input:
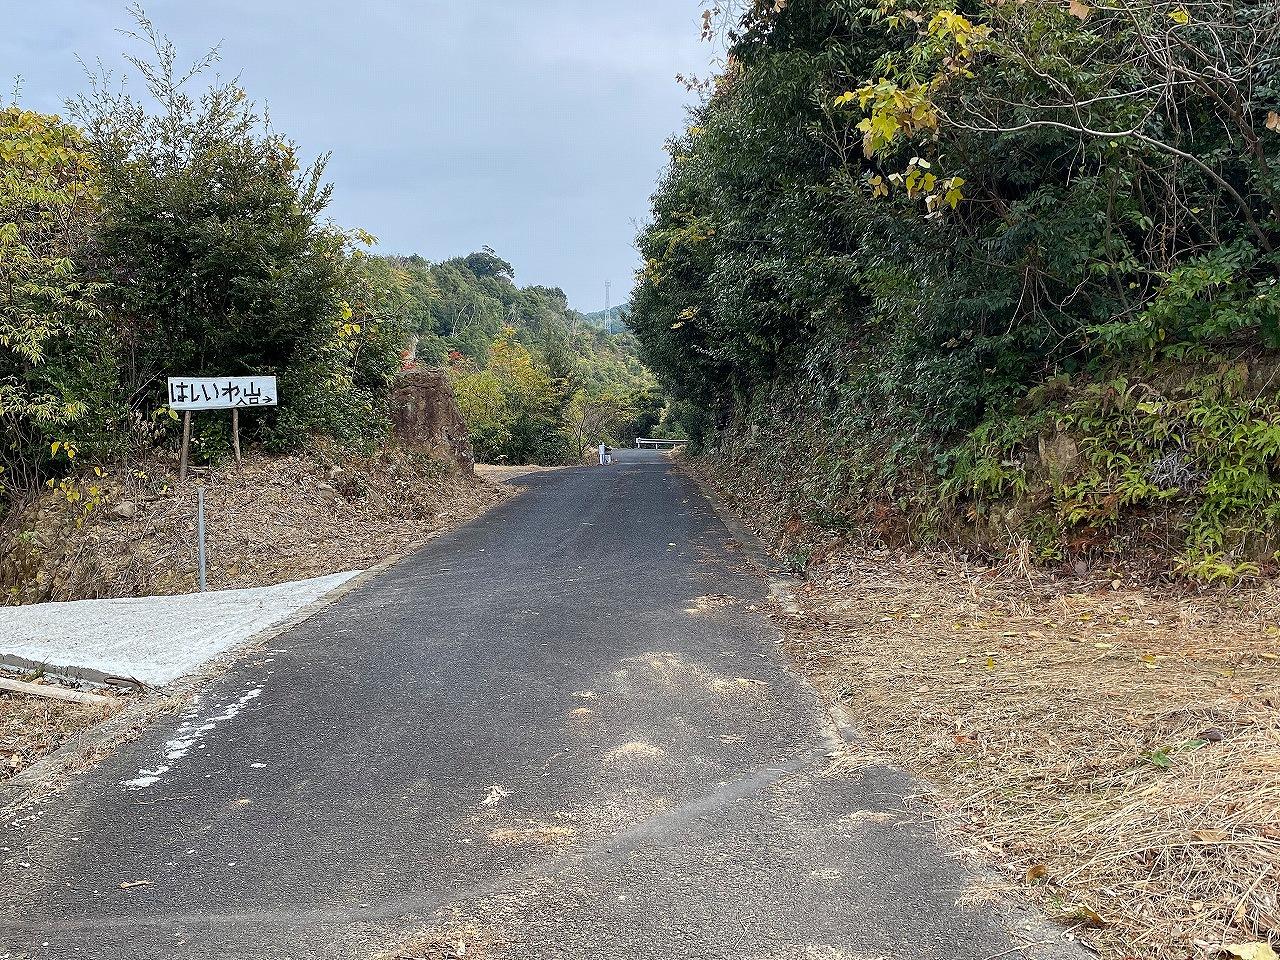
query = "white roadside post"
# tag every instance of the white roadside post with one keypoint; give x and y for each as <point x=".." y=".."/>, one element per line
<point x="215" y="393"/>
<point x="602" y="455"/>
<point x="204" y="581"/>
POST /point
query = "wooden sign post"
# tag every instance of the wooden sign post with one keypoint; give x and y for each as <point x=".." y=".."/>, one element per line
<point x="217" y="393"/>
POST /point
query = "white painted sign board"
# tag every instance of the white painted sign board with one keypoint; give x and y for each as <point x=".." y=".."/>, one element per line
<point x="221" y="393"/>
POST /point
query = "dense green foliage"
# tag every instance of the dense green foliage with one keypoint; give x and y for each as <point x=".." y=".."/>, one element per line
<point x="613" y="320"/>
<point x="216" y="259"/>
<point x="50" y="324"/>
<point x="908" y="218"/>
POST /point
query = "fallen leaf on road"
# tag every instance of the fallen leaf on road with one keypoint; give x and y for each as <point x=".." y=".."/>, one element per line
<point x="494" y="796"/>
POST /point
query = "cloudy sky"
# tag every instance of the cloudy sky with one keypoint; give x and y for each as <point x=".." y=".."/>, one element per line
<point x="534" y="127"/>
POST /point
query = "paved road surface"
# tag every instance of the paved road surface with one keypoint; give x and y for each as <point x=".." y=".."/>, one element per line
<point x="563" y="730"/>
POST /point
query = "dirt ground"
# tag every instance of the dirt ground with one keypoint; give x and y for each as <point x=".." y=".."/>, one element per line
<point x="1113" y="747"/>
<point x="505" y="473"/>
<point x="272" y="520"/>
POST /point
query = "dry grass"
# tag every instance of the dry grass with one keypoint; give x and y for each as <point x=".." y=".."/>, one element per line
<point x="33" y="727"/>
<point x="274" y="519"/>
<point x="509" y="473"/>
<point x="1117" y="749"/>
<point x="442" y="943"/>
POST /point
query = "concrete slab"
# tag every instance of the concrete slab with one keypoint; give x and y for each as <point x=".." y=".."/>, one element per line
<point x="154" y="640"/>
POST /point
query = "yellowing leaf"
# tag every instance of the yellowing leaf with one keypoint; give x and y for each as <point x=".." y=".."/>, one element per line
<point x="1250" y="951"/>
<point x="1180" y="16"/>
<point x="1273" y="121"/>
<point x="1088" y="916"/>
<point x="1079" y="9"/>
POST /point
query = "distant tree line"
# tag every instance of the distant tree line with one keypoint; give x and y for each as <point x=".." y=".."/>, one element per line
<point x="536" y="381"/>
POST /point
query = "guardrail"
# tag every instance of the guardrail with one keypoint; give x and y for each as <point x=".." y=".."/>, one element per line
<point x="658" y="442"/>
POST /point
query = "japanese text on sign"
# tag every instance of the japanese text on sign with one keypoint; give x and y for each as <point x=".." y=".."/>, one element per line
<point x="221" y="393"/>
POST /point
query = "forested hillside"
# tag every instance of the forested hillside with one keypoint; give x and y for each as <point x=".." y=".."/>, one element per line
<point x="615" y="318"/>
<point x="536" y="380"/>
<point x="165" y="227"/>
<point x="1001" y="273"/>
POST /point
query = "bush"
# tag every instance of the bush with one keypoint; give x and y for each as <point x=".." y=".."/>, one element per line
<point x="54" y="376"/>
<point x="219" y="263"/>
<point x="908" y="219"/>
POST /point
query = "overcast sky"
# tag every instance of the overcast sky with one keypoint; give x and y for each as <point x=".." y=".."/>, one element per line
<point x="535" y="126"/>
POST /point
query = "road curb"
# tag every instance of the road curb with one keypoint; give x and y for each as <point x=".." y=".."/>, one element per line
<point x="93" y="744"/>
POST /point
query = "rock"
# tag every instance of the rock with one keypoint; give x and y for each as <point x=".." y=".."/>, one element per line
<point x="125" y="510"/>
<point x="334" y="471"/>
<point x="1081" y="568"/>
<point x="325" y="486"/>
<point x="1059" y="454"/>
<point x="426" y="414"/>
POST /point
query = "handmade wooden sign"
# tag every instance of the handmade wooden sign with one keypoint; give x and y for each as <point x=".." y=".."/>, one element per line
<point x="218" y="393"/>
<point x="221" y="393"/>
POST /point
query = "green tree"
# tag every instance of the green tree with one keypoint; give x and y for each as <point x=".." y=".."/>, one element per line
<point x="912" y="222"/>
<point x="591" y="419"/>
<point x="49" y="315"/>
<point x="211" y="230"/>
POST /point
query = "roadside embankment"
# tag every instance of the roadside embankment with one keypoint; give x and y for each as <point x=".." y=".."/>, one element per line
<point x="1112" y="747"/>
<point x="275" y="519"/>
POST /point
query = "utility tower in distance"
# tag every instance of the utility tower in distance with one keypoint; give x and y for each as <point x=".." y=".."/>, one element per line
<point x="608" y="318"/>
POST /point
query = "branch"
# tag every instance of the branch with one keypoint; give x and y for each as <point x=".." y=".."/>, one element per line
<point x="1141" y="137"/>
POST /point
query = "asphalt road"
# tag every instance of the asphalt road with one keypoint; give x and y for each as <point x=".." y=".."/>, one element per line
<point x="563" y="730"/>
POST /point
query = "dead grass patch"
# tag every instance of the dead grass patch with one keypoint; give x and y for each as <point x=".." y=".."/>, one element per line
<point x="1115" y="748"/>
<point x="635" y="750"/>
<point x="540" y="834"/>
<point x="32" y="727"/>
<point x="509" y="473"/>
<point x="272" y="520"/>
